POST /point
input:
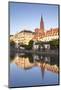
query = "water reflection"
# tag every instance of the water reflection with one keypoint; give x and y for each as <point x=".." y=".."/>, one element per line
<point x="45" y="65"/>
<point x="27" y="61"/>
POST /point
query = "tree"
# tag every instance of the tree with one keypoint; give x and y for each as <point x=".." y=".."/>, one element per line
<point x="30" y="45"/>
<point x="54" y="43"/>
<point x="12" y="43"/>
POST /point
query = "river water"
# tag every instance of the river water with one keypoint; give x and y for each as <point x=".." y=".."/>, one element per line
<point x="33" y="70"/>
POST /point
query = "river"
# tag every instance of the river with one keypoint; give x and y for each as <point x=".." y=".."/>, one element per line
<point x="33" y="70"/>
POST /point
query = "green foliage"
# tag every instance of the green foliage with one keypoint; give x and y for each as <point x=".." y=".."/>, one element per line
<point x="54" y="43"/>
<point x="12" y="43"/>
<point x="29" y="46"/>
<point x="12" y="47"/>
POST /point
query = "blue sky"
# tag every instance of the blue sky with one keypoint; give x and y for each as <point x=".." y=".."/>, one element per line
<point x="27" y="16"/>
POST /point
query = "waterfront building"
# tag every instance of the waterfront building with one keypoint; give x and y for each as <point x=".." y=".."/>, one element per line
<point x="23" y="37"/>
<point x="45" y="35"/>
<point x="39" y="34"/>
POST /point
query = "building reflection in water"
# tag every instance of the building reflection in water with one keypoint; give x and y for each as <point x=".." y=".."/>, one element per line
<point x="26" y="62"/>
<point x="23" y="62"/>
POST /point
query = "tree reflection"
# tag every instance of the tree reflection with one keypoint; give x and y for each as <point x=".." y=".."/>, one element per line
<point x="27" y="61"/>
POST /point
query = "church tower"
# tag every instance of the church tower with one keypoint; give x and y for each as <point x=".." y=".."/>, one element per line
<point x="42" y="24"/>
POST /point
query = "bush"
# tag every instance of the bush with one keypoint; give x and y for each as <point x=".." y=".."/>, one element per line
<point x="12" y="43"/>
<point x="54" y="43"/>
<point x="30" y="45"/>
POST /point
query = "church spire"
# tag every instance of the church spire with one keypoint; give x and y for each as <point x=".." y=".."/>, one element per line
<point x="42" y="24"/>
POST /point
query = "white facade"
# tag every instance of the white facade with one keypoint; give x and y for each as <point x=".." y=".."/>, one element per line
<point x="23" y="37"/>
<point x="49" y="38"/>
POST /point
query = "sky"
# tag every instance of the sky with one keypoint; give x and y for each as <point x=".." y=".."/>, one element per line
<point x="27" y="16"/>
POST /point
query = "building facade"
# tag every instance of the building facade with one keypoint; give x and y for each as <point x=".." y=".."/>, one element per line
<point x="45" y="35"/>
<point x="23" y="37"/>
<point x="39" y="34"/>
